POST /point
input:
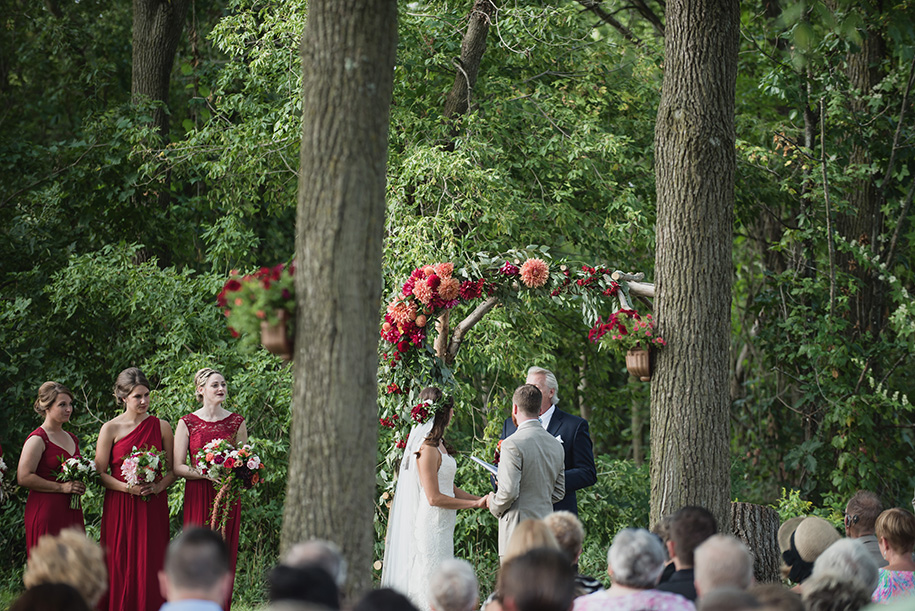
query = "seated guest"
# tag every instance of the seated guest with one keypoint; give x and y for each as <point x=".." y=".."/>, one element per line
<point x="662" y="530"/>
<point x="384" y="599"/>
<point x="635" y="560"/>
<point x="320" y="553"/>
<point x="722" y="561"/>
<point x="295" y="585"/>
<point x="801" y="541"/>
<point x="454" y="587"/>
<point x="72" y="558"/>
<point x="727" y="599"/>
<point x="529" y="534"/>
<point x="861" y="513"/>
<point x="776" y="596"/>
<point x="50" y="597"/>
<point x="843" y="578"/>
<point x="688" y="528"/>
<point x="570" y="535"/>
<point x="896" y="536"/>
<point x="540" y="580"/>
<point x="196" y="576"/>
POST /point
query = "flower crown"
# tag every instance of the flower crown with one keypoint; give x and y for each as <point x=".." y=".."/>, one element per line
<point x="421" y="412"/>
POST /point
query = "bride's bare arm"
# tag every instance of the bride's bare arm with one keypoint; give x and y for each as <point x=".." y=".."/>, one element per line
<point x="460" y="494"/>
<point x="428" y="463"/>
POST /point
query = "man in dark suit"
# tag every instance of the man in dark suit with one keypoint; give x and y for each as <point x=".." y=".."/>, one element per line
<point x="570" y="430"/>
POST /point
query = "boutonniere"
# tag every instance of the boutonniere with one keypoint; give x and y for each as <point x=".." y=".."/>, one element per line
<point x="559" y="437"/>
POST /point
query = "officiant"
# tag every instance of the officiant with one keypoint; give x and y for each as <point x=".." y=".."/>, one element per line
<point x="571" y="431"/>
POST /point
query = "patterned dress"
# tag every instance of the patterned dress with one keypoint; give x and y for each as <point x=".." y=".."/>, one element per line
<point x="894" y="585"/>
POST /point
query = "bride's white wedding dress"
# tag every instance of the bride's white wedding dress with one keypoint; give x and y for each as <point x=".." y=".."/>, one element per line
<point x="420" y="536"/>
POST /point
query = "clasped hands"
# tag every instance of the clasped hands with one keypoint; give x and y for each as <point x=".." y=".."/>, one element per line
<point x="72" y="487"/>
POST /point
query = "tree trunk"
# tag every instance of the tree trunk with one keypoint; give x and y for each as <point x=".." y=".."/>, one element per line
<point x="348" y="52"/>
<point x="757" y="526"/>
<point x="694" y="169"/>
<point x="157" y="28"/>
<point x="472" y="47"/>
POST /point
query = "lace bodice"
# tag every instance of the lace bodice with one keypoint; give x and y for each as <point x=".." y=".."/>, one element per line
<point x="200" y="432"/>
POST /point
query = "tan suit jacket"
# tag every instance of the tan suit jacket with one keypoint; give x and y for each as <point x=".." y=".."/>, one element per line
<point x="531" y="478"/>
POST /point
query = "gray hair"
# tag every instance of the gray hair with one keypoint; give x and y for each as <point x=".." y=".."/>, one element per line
<point x="636" y="558"/>
<point x="454" y="587"/>
<point x="722" y="561"/>
<point x="320" y="553"/>
<point x="848" y="560"/>
<point x="549" y="379"/>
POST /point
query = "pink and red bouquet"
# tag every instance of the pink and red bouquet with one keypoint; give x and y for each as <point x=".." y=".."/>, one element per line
<point x="143" y="466"/>
<point x="626" y="330"/>
<point x="76" y="469"/>
<point x="233" y="469"/>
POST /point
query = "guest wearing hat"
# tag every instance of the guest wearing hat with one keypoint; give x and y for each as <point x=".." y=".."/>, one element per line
<point x="801" y="541"/>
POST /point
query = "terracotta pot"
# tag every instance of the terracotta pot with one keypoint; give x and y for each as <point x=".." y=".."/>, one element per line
<point x="638" y="362"/>
<point x="275" y="339"/>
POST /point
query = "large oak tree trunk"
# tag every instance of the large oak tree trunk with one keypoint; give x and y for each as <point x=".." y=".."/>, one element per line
<point x="694" y="168"/>
<point x="348" y="55"/>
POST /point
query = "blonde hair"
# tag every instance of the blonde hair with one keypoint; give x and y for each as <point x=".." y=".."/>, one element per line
<point x="897" y="526"/>
<point x="569" y="533"/>
<point x="200" y="378"/>
<point x="47" y="395"/>
<point x="71" y="558"/>
<point x="528" y="535"/>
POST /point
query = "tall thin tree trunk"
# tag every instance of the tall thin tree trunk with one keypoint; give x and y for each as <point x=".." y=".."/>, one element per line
<point x="348" y="53"/>
<point x="694" y="169"/>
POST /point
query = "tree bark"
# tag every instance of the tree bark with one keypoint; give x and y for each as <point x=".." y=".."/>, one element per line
<point x="694" y="169"/>
<point x="348" y="53"/>
<point x="157" y="29"/>
<point x="757" y="526"/>
<point x="472" y="48"/>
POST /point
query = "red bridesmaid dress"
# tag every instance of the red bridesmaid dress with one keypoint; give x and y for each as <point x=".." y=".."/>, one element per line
<point x="48" y="513"/>
<point x="199" y="494"/>
<point x="134" y="532"/>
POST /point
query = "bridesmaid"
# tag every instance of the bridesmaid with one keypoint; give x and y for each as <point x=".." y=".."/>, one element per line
<point x="47" y="510"/>
<point x="194" y="431"/>
<point x="134" y="518"/>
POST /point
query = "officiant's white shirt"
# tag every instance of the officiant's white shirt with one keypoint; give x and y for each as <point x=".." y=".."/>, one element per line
<point x="546" y="416"/>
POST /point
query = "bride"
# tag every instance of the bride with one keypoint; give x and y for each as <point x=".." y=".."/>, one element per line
<point x="421" y="523"/>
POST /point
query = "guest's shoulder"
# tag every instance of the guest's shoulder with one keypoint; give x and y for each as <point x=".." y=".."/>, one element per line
<point x="669" y="601"/>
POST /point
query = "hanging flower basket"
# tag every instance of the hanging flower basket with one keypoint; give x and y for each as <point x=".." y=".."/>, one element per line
<point x="638" y="362"/>
<point x="275" y="337"/>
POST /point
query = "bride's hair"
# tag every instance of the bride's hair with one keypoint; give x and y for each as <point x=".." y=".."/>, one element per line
<point x="443" y="406"/>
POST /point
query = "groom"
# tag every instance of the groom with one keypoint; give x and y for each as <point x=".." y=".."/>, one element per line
<point x="531" y="474"/>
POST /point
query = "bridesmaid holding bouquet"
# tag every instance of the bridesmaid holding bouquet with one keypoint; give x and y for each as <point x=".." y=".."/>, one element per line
<point x="48" y="510"/>
<point x="137" y="448"/>
<point x="194" y="431"/>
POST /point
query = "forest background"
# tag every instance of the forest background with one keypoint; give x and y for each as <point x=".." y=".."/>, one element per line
<point x="124" y="206"/>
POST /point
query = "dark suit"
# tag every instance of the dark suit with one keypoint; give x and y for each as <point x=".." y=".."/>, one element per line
<point x="579" y="454"/>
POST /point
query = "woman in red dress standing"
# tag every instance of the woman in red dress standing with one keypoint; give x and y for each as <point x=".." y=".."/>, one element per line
<point x="47" y="510"/>
<point x="135" y="517"/>
<point x="194" y="431"/>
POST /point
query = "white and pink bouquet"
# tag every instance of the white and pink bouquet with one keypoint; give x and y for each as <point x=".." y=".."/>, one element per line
<point x="76" y="469"/>
<point x="3" y="469"/>
<point x="233" y="470"/>
<point x="143" y="466"/>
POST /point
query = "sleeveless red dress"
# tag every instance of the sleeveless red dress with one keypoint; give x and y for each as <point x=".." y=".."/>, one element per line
<point x="48" y="513"/>
<point x="199" y="494"/>
<point x="134" y="532"/>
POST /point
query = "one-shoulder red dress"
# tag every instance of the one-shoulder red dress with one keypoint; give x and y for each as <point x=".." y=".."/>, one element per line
<point x="134" y="532"/>
<point x="199" y="494"/>
<point x="48" y="513"/>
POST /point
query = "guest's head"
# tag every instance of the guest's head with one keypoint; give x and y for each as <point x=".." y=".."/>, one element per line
<point x="861" y="514"/>
<point x="832" y="593"/>
<point x="209" y="386"/>
<point x="529" y="534"/>
<point x="196" y="566"/>
<point x="72" y="558"/>
<point x="52" y="394"/>
<point x="569" y="533"/>
<point x="777" y="597"/>
<point x="801" y="542"/>
<point x="540" y="580"/>
<point x="319" y="553"/>
<point x="526" y="402"/>
<point x="310" y="584"/>
<point x="384" y="599"/>
<point x="635" y="559"/>
<point x="130" y="380"/>
<point x="727" y="599"/>
<point x="849" y="561"/>
<point x="50" y="597"/>
<point x="689" y="527"/>
<point x="722" y="561"/>
<point x="454" y="587"/>
<point x="545" y="381"/>
<point x="443" y="406"/>
<point x="895" y="530"/>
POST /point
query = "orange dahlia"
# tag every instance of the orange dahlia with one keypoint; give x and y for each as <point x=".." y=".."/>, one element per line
<point x="534" y="273"/>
